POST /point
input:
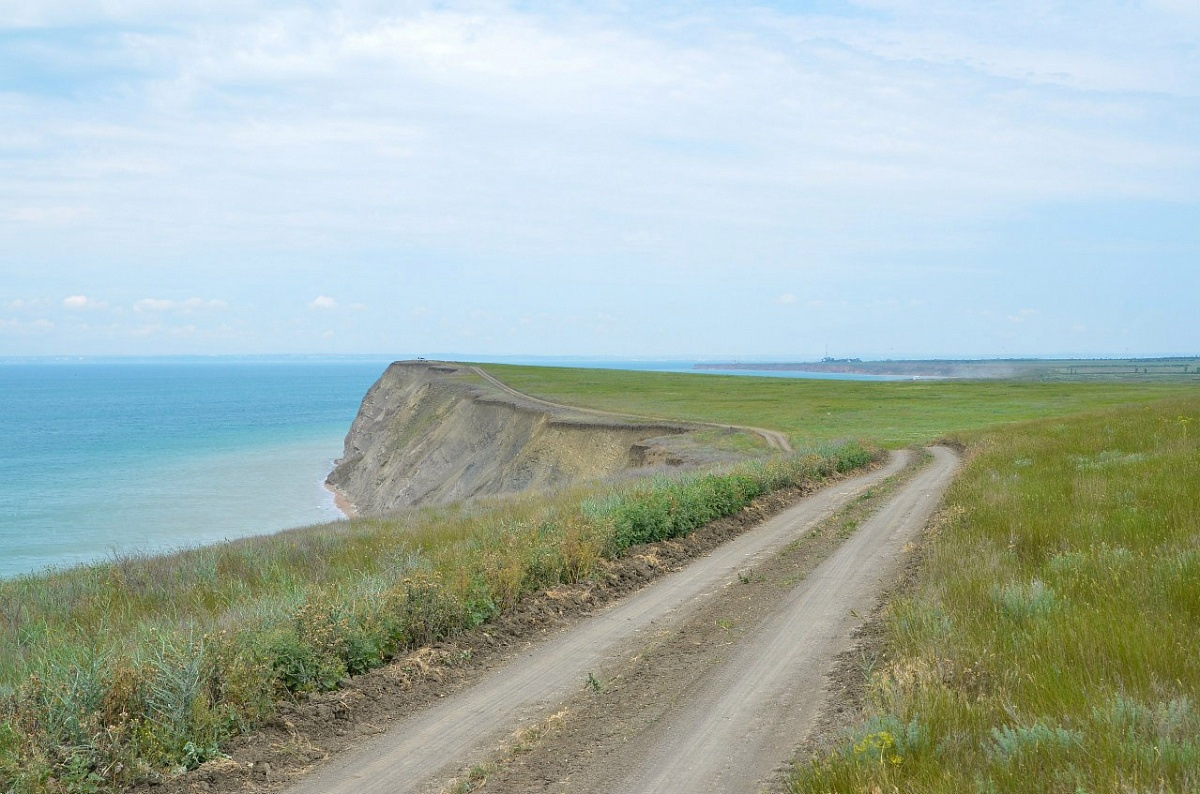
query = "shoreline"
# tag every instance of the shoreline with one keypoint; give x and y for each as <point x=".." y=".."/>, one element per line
<point x="344" y="505"/>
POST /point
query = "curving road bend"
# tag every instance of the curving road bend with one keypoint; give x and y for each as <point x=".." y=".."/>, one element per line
<point x="773" y="438"/>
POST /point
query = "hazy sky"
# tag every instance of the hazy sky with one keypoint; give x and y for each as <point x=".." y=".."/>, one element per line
<point x="877" y="178"/>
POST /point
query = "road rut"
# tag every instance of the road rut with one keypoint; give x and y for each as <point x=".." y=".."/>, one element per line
<point x="420" y="754"/>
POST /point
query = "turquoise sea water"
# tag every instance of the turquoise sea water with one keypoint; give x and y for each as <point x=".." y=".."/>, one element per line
<point x="100" y="458"/>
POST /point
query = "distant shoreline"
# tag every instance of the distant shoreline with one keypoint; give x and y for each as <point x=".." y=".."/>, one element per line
<point x="979" y="369"/>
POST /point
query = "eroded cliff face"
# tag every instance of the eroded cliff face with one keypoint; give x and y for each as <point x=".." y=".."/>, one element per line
<point x="433" y="433"/>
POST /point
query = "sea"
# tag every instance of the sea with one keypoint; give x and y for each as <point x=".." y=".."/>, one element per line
<point x="102" y="458"/>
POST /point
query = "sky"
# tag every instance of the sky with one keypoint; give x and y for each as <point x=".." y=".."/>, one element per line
<point x="776" y="180"/>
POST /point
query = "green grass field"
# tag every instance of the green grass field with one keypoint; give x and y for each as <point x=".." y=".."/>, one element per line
<point x="1050" y="644"/>
<point x="892" y="413"/>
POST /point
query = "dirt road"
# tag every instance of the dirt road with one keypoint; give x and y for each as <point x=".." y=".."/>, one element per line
<point x="773" y="438"/>
<point x="420" y="754"/>
<point x="737" y="724"/>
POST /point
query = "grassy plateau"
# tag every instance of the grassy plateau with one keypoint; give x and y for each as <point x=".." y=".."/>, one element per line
<point x="1045" y="646"/>
<point x="891" y="413"/>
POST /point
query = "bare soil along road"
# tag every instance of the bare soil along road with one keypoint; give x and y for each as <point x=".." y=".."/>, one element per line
<point x="741" y="721"/>
<point x="424" y="751"/>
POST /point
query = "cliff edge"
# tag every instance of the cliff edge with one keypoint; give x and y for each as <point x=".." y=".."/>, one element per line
<point x="429" y="432"/>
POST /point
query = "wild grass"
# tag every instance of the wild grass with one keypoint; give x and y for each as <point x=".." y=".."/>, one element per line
<point x="894" y="413"/>
<point x="139" y="667"/>
<point x="1050" y="644"/>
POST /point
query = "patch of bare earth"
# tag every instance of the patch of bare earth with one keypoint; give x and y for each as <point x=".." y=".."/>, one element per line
<point x="305" y="732"/>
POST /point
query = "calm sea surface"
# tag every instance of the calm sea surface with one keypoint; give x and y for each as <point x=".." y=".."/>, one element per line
<point x="106" y="457"/>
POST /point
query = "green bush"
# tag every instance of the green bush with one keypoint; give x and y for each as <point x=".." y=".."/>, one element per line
<point x="299" y="667"/>
<point x="668" y="508"/>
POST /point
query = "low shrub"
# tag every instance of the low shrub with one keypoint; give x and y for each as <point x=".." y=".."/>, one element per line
<point x="667" y="508"/>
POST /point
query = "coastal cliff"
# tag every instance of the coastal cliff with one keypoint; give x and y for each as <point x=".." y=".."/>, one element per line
<point x="429" y="432"/>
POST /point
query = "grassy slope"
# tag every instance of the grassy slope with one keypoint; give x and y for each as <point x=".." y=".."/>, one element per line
<point x="1050" y="644"/>
<point x="893" y="413"/>
<point x="115" y="672"/>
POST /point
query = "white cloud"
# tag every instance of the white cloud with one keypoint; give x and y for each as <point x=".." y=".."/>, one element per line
<point x="83" y="302"/>
<point x="25" y="328"/>
<point x="153" y="305"/>
<point x="188" y="306"/>
<point x="672" y="145"/>
<point x="746" y="120"/>
<point x="1022" y="315"/>
<point x="26" y="304"/>
<point x="323" y="303"/>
